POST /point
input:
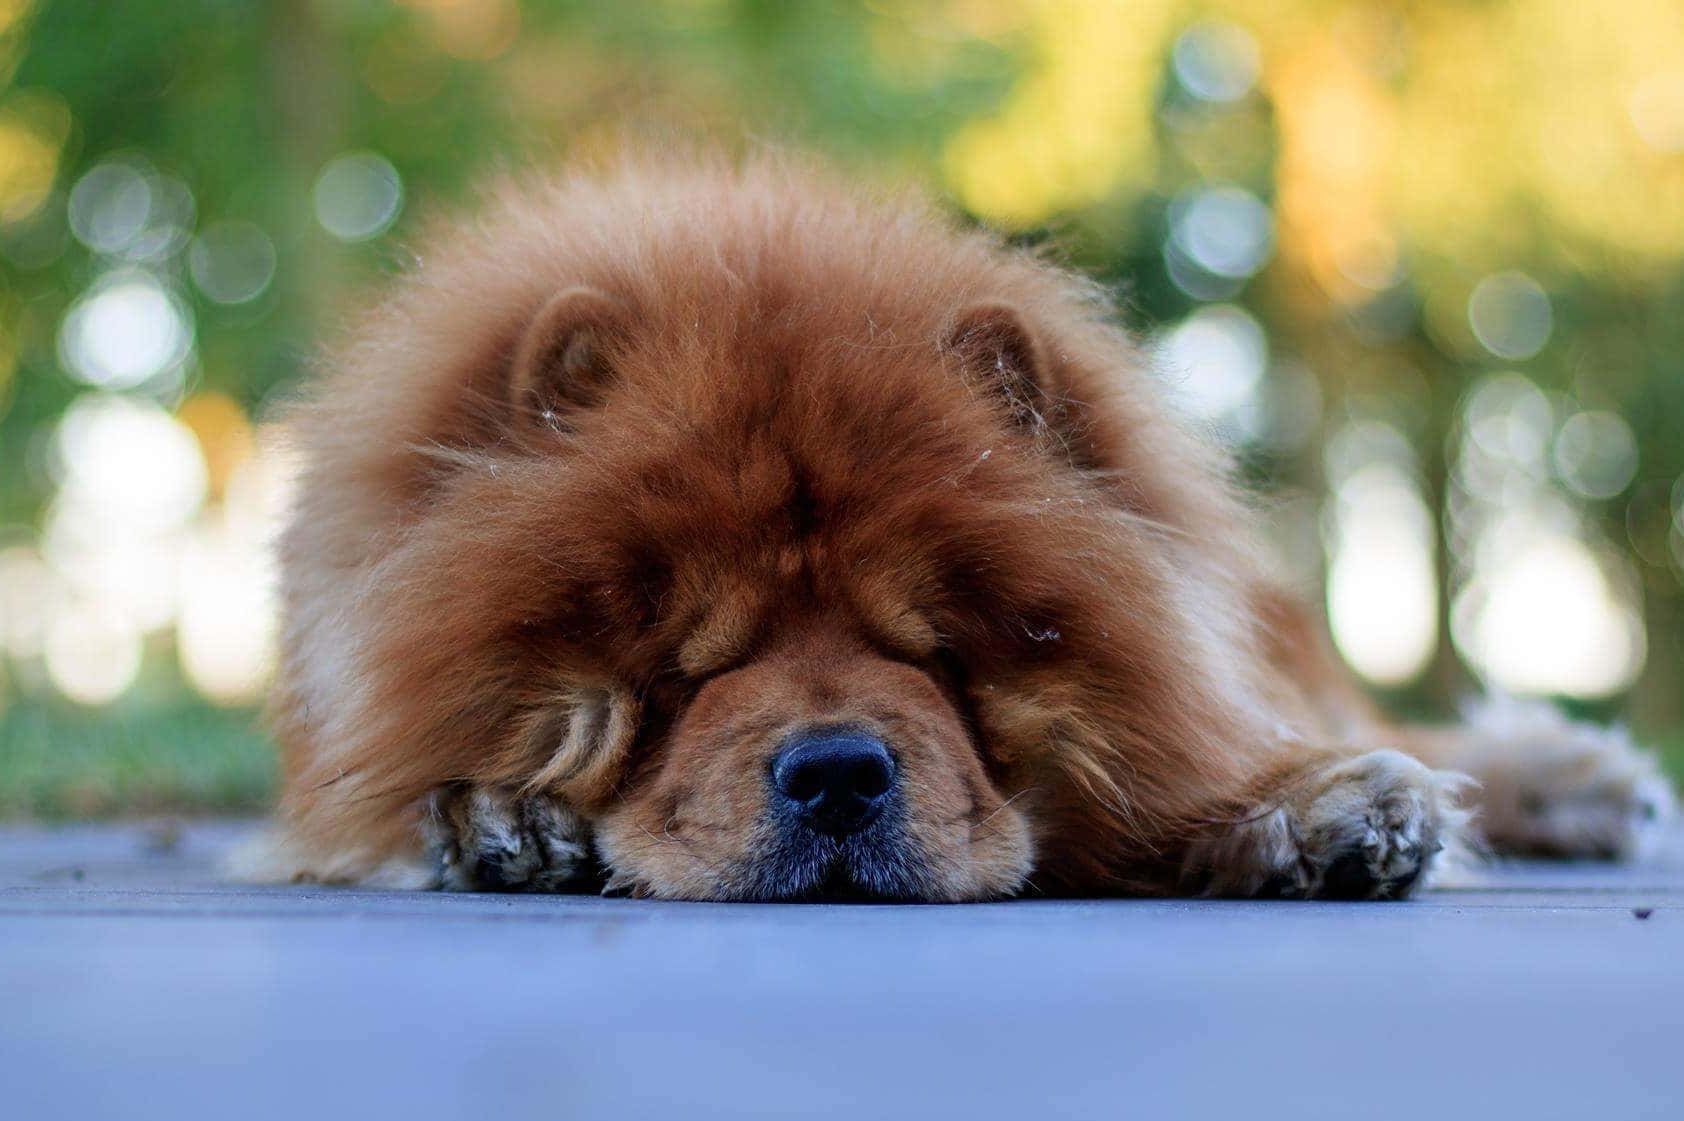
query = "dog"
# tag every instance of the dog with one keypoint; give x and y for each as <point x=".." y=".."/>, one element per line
<point x="712" y="530"/>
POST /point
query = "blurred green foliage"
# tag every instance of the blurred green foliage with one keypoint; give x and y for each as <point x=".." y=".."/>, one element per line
<point x="1399" y="156"/>
<point x="62" y="761"/>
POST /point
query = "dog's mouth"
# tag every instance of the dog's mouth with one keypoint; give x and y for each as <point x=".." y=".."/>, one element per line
<point x="842" y="884"/>
<point x="878" y="864"/>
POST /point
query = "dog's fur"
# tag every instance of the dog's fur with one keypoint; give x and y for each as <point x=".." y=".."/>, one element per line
<point x="638" y="472"/>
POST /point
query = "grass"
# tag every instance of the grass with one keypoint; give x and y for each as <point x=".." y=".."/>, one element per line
<point x="61" y="762"/>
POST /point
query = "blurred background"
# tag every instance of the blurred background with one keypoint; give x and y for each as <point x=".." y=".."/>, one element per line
<point x="1421" y="262"/>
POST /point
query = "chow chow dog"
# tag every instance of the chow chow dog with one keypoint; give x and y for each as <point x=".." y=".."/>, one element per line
<point x="704" y="530"/>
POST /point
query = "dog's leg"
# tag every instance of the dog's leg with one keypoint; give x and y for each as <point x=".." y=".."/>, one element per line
<point x="490" y="839"/>
<point x="1338" y="827"/>
<point x="1552" y="787"/>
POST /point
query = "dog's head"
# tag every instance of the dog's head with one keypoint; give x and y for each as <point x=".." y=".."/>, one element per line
<point x="772" y="548"/>
<point x="796" y="558"/>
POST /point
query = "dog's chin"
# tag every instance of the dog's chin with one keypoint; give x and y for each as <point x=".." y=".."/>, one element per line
<point x="849" y="871"/>
<point x="879" y="864"/>
<point x="844" y="884"/>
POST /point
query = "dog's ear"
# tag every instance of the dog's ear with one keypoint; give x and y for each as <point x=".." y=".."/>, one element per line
<point x="1000" y="355"/>
<point x="562" y="362"/>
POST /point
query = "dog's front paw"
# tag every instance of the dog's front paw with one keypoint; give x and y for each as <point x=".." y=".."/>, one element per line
<point x="1556" y="788"/>
<point x="1368" y="827"/>
<point x="1356" y="827"/>
<point x="489" y="839"/>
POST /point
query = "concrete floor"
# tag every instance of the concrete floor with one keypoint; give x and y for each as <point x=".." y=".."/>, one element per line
<point x="134" y="984"/>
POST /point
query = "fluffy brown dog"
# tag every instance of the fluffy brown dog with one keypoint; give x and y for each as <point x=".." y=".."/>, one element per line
<point x="738" y="537"/>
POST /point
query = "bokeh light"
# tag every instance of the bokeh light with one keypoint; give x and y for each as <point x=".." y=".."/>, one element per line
<point x="1225" y="230"/>
<point x="1382" y="586"/>
<point x="1216" y="61"/>
<point x="1544" y="614"/>
<point x="226" y="632"/>
<point x="358" y="196"/>
<point x="1542" y="604"/>
<point x="1219" y="237"/>
<point x="1213" y="361"/>
<point x="128" y="330"/>
<point x="232" y="262"/>
<point x="109" y="206"/>
<point x="28" y="596"/>
<point x="1596" y="454"/>
<point x="1510" y="315"/>
<point x="92" y="654"/>
<point x="131" y="481"/>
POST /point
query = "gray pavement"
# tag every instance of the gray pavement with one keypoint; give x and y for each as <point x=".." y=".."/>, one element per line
<point x="135" y="984"/>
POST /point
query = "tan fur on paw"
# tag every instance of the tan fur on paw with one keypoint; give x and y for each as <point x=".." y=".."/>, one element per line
<point x="489" y="839"/>
<point x="1369" y="826"/>
<point x="1553" y="787"/>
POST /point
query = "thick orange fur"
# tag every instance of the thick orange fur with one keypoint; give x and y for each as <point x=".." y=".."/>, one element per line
<point x="792" y="489"/>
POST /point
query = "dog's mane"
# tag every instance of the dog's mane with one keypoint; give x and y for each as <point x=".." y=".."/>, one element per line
<point x="723" y="259"/>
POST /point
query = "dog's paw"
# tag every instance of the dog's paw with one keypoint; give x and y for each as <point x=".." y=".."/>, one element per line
<point x="1555" y="788"/>
<point x="1369" y="827"/>
<point x="489" y="839"/>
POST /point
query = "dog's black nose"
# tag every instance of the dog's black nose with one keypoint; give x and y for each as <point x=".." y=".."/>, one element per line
<point x="834" y="781"/>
